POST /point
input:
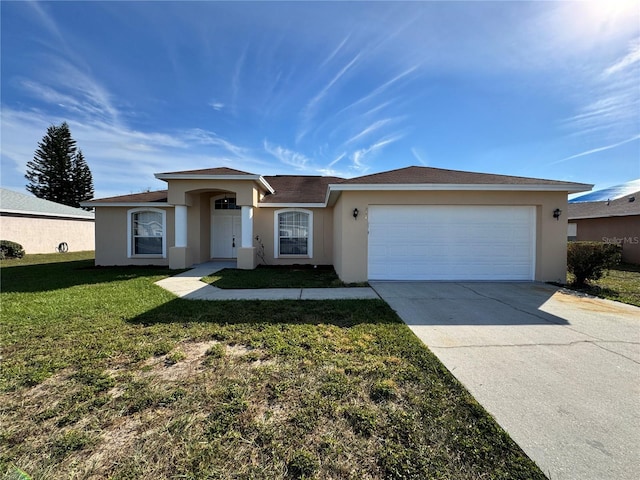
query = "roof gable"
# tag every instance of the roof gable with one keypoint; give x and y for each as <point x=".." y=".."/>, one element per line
<point x="210" y="171"/>
<point x="430" y="175"/>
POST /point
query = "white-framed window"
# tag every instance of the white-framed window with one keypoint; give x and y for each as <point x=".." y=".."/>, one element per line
<point x="293" y="233"/>
<point x="146" y="232"/>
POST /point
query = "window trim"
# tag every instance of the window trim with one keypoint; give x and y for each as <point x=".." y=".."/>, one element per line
<point x="130" y="252"/>
<point x="276" y="233"/>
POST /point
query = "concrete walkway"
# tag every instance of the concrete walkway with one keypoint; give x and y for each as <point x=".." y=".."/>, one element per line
<point x="188" y="285"/>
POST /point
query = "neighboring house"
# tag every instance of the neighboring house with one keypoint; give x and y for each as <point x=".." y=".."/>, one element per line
<point x="41" y="226"/>
<point x="613" y="221"/>
<point x="415" y="223"/>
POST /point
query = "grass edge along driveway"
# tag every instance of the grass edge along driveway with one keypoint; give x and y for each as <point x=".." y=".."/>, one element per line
<point x="105" y="374"/>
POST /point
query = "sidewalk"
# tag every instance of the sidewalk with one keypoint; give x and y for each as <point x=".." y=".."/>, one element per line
<point x="188" y="285"/>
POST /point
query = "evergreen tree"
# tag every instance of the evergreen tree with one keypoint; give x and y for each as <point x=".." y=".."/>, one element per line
<point x="82" y="179"/>
<point x="58" y="171"/>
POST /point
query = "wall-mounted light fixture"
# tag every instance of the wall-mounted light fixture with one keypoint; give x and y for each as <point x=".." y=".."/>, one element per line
<point x="355" y="213"/>
<point x="556" y="213"/>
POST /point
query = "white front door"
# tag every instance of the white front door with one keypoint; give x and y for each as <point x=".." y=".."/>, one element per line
<point x="225" y="234"/>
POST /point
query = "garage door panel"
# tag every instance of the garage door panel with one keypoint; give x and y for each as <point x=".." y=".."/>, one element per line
<point x="451" y="242"/>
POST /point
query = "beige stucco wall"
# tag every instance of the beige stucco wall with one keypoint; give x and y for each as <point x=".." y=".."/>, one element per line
<point x="44" y="234"/>
<point x="338" y="238"/>
<point x="624" y="231"/>
<point x="350" y="257"/>
<point x="182" y="192"/>
<point x="112" y="240"/>
<point x="263" y="226"/>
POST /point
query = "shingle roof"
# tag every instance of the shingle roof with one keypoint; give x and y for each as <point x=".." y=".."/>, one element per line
<point x="611" y="193"/>
<point x="20" y="203"/>
<point x="627" y="205"/>
<point x="429" y="175"/>
<point x="209" y="171"/>
<point x="159" y="196"/>
<point x="298" y="188"/>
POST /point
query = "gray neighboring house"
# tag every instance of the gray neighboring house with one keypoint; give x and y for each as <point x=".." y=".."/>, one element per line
<point x="41" y="226"/>
<point x="612" y="221"/>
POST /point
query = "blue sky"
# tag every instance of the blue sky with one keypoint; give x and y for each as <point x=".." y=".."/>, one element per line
<point x="541" y="89"/>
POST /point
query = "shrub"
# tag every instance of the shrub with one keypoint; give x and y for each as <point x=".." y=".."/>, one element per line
<point x="9" y="249"/>
<point x="589" y="260"/>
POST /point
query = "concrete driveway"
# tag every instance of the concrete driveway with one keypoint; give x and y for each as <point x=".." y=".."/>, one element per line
<point x="559" y="372"/>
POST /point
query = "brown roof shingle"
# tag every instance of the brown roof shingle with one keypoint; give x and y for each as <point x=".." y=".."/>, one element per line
<point x="429" y="175"/>
<point x="159" y="196"/>
<point x="209" y="171"/>
<point x="298" y="188"/>
<point x="627" y="205"/>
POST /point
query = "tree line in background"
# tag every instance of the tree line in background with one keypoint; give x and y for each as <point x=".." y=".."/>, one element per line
<point x="58" y="171"/>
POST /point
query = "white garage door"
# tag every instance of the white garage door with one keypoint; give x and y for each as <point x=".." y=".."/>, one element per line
<point x="446" y="242"/>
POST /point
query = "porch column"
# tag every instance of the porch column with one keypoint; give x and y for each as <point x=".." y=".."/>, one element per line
<point x="247" y="227"/>
<point x="179" y="254"/>
<point x="247" y="252"/>
<point x="181" y="225"/>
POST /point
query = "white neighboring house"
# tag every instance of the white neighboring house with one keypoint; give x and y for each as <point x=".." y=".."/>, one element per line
<point x="41" y="226"/>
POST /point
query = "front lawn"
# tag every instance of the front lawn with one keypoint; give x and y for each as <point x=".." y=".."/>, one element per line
<point x="106" y="375"/>
<point x="303" y="276"/>
<point x="621" y="284"/>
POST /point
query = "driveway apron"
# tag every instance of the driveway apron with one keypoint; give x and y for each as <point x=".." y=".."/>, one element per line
<point x="560" y="372"/>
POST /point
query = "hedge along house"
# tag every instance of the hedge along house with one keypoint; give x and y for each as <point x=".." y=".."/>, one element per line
<point x="415" y="223"/>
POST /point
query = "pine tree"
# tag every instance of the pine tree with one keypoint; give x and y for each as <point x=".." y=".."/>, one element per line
<point x="58" y="171"/>
<point x="82" y="179"/>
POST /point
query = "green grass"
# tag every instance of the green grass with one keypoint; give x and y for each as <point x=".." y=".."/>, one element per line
<point x="105" y="375"/>
<point x="621" y="284"/>
<point x="302" y="276"/>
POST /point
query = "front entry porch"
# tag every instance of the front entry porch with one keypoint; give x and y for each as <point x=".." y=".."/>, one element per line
<point x="213" y="226"/>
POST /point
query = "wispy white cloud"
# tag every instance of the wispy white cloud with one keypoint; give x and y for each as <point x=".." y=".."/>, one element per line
<point x="370" y="129"/>
<point x="315" y="100"/>
<point x="312" y="105"/>
<point x="47" y="21"/>
<point x="236" y="78"/>
<point x="122" y="159"/>
<point x="358" y="157"/>
<point x="204" y="137"/>
<point x="337" y="159"/>
<point x="381" y="88"/>
<point x="612" y="102"/>
<point x="335" y="52"/>
<point x="217" y="106"/>
<point x="419" y="156"/>
<point x="597" y="150"/>
<point x="73" y="90"/>
<point x="633" y="56"/>
<point x="288" y="157"/>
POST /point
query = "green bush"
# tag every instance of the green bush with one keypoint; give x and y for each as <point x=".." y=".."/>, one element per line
<point x="9" y="249"/>
<point x="589" y="260"/>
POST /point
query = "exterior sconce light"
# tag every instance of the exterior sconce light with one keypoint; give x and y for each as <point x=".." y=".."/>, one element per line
<point x="355" y="213"/>
<point x="556" y="214"/>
